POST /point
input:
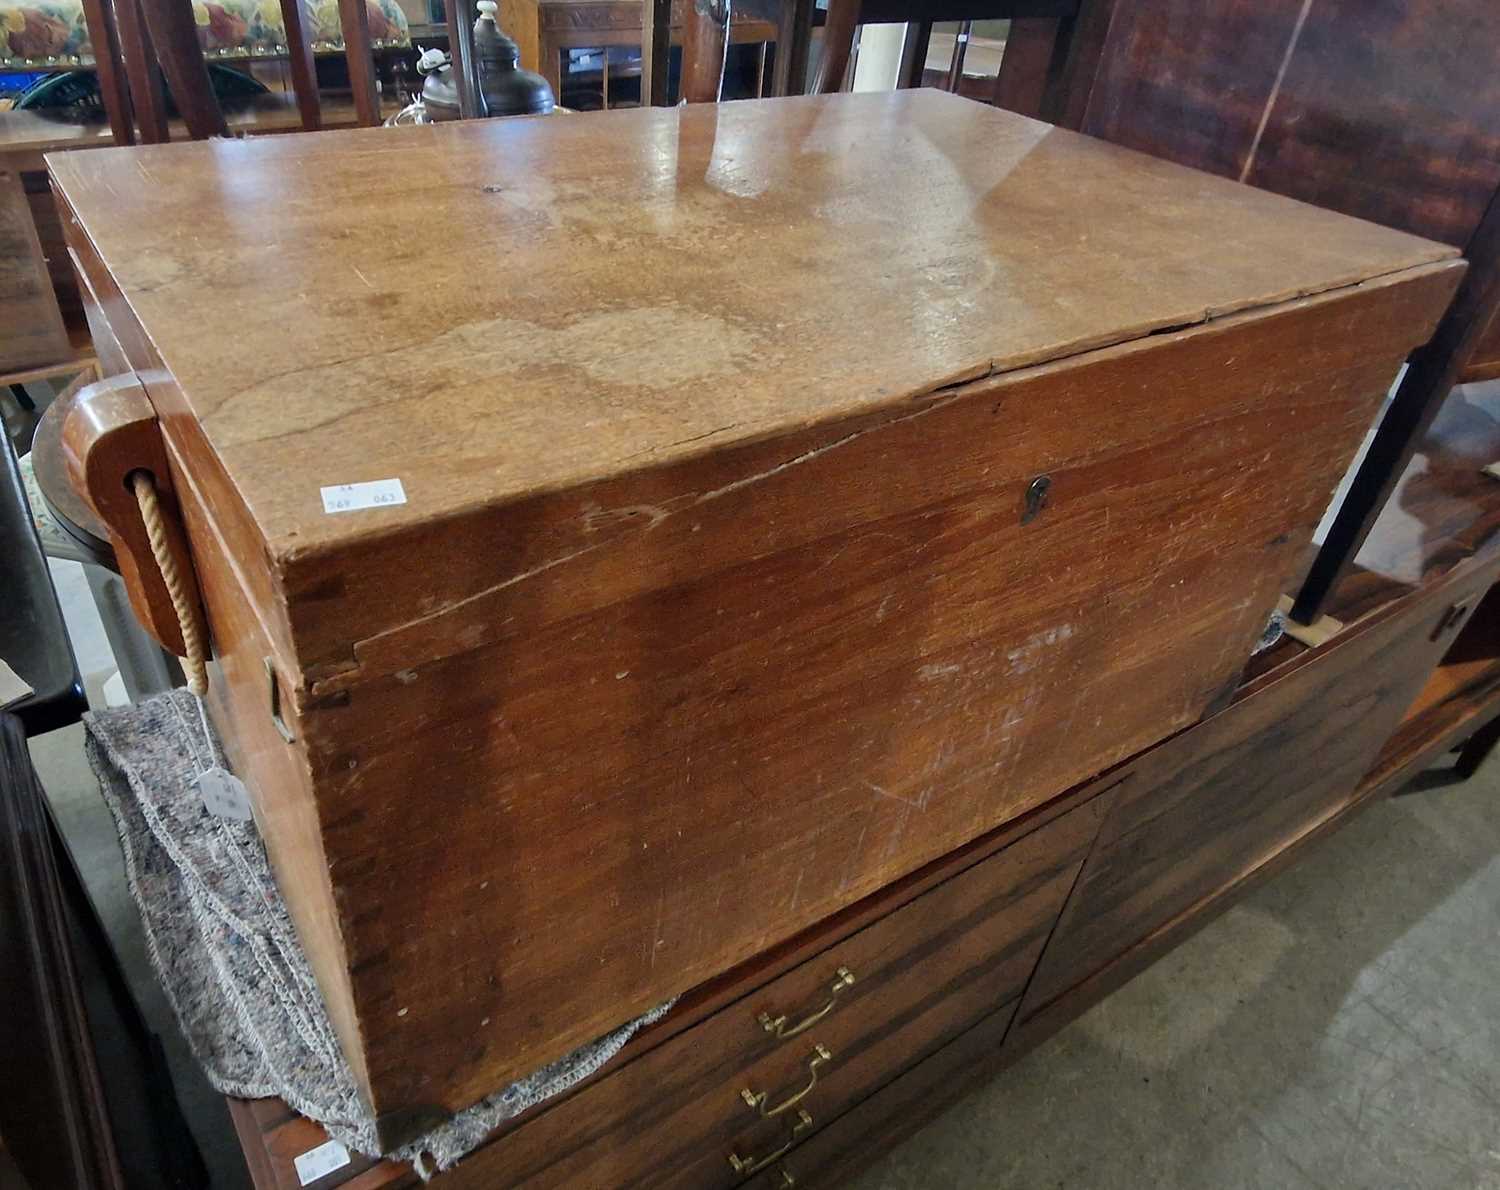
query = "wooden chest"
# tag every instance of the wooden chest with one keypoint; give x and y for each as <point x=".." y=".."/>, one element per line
<point x="791" y="492"/>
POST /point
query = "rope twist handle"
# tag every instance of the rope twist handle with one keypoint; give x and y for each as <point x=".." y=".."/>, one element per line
<point x="192" y="630"/>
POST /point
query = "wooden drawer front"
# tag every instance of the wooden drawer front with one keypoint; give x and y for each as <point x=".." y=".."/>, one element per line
<point x="1212" y="804"/>
<point x="921" y="975"/>
<point x="833" y="1154"/>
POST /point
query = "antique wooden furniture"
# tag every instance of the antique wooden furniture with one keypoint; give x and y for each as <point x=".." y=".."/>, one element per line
<point x="1311" y="737"/>
<point x="35" y="338"/>
<point x="31" y="328"/>
<point x="732" y="603"/>
<point x="166" y="30"/>
<point x="546" y="29"/>
<point x="26" y="136"/>
<point x="1390" y="112"/>
<point x="86" y="53"/>
<point x="132" y="44"/>
<point x="32" y="344"/>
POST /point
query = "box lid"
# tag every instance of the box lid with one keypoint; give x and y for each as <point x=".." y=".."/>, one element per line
<point x="487" y="310"/>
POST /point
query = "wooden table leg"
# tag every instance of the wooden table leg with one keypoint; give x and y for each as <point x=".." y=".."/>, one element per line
<point x="146" y="94"/>
<point x="304" y="69"/>
<point x="109" y="64"/>
<point x="793" y="42"/>
<point x="354" y="19"/>
<point x="175" y="36"/>
<point x="656" y="51"/>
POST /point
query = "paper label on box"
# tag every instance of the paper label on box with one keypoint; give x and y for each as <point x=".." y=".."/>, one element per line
<point x="224" y="794"/>
<point x="320" y="1162"/>
<point x="351" y="497"/>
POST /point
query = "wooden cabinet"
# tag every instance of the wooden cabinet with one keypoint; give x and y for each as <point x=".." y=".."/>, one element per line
<point x="715" y="1103"/>
<point x="709" y="609"/>
<point x="815" y="1026"/>
<point x="938" y="961"/>
<point x="1200" y="812"/>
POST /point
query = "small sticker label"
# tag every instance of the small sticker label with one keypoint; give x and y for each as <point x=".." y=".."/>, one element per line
<point x="351" y="497"/>
<point x="224" y="794"/>
<point x="320" y="1162"/>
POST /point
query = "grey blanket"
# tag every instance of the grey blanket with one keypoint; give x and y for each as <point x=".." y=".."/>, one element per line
<point x="225" y="951"/>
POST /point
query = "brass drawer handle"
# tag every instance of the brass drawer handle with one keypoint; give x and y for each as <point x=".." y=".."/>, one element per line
<point x="777" y="1025"/>
<point x="745" y="1166"/>
<point x="757" y="1099"/>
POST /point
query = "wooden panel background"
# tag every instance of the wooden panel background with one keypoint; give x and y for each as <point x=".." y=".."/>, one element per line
<point x="874" y="727"/>
<point x="1385" y="109"/>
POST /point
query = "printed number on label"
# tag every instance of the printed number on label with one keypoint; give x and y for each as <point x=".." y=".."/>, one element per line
<point x="351" y="497"/>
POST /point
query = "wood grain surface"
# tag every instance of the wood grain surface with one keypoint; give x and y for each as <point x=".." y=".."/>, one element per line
<point x="1202" y="811"/>
<point x="110" y="432"/>
<point x="929" y="668"/>
<point x="1388" y="111"/>
<point x="273" y="1136"/>
<point x="833" y="1155"/>
<point x="708" y="616"/>
<point x="549" y="377"/>
<point x="1430" y="531"/>
<point x="923" y="974"/>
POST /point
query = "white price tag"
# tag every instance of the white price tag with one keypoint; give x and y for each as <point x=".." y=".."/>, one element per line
<point x="224" y="794"/>
<point x="351" y="497"/>
<point x="320" y="1162"/>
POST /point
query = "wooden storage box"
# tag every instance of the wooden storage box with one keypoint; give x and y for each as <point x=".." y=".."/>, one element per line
<point x="793" y="491"/>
